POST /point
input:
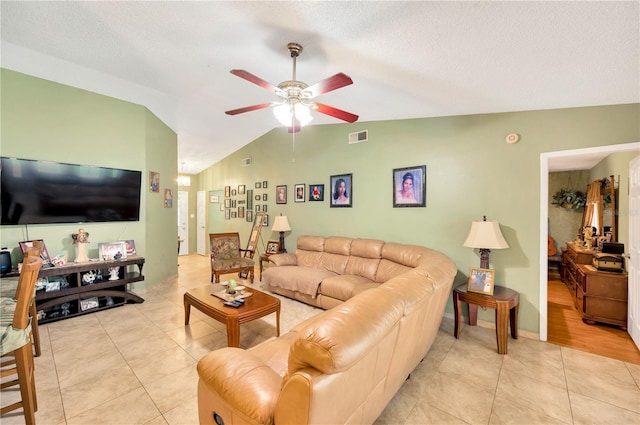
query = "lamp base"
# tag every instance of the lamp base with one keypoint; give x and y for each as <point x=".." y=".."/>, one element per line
<point x="484" y="258"/>
<point x="282" y="248"/>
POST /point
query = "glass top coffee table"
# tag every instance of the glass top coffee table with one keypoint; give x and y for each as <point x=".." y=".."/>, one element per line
<point x="257" y="305"/>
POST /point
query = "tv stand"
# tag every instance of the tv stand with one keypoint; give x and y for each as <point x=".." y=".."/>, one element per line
<point x="83" y="295"/>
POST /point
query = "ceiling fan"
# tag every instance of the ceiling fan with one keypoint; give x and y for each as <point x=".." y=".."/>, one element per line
<point x="295" y="104"/>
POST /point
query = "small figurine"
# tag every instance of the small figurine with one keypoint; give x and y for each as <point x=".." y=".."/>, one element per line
<point x="81" y="238"/>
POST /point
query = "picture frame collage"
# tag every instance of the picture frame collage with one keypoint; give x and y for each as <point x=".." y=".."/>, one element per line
<point x="241" y="202"/>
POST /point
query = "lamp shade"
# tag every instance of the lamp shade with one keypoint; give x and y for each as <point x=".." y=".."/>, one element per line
<point x="281" y="224"/>
<point x="485" y="234"/>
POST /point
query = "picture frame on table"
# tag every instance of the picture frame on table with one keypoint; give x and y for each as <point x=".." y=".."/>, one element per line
<point x="112" y="251"/>
<point x="316" y="192"/>
<point x="273" y="247"/>
<point x="281" y="194"/>
<point x="89" y="303"/>
<point x="38" y="243"/>
<point x="299" y="190"/>
<point x="410" y="187"/>
<point x="341" y="191"/>
<point x="481" y="280"/>
<point x="130" y="247"/>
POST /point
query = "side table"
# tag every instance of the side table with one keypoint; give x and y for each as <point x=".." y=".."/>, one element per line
<point x="506" y="303"/>
<point x="263" y="257"/>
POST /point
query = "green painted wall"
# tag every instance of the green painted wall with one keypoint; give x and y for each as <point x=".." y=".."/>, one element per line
<point x="471" y="172"/>
<point x="49" y="121"/>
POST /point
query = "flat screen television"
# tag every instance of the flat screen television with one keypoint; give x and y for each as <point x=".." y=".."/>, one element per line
<point x="42" y="192"/>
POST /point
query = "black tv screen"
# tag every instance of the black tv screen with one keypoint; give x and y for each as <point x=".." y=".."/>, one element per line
<point x="42" y="192"/>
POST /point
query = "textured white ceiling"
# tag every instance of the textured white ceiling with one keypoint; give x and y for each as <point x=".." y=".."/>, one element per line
<point x="407" y="59"/>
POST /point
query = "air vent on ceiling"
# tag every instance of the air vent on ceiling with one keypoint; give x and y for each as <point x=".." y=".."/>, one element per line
<point x="359" y="136"/>
<point x="246" y="162"/>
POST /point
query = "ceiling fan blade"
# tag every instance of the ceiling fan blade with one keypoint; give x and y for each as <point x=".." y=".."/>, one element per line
<point x="329" y="84"/>
<point x="246" y="75"/>
<point x="248" y="109"/>
<point x="335" y="112"/>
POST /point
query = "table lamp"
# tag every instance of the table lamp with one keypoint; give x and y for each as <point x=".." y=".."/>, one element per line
<point x="281" y="225"/>
<point x="486" y="236"/>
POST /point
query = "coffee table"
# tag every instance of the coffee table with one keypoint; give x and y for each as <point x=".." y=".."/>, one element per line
<point x="258" y="305"/>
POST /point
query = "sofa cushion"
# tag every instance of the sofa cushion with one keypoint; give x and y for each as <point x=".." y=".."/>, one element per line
<point x="296" y="278"/>
<point x="345" y="286"/>
<point x="232" y="263"/>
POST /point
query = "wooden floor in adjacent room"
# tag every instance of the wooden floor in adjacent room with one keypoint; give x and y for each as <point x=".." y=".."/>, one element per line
<point x="566" y="328"/>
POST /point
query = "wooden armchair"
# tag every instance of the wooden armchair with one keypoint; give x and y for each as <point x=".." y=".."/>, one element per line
<point x="228" y="257"/>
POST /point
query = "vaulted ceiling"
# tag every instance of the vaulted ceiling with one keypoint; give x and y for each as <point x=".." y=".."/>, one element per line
<point x="407" y="59"/>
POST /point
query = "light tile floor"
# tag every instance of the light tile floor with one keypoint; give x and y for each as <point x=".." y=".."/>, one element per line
<point x="136" y="365"/>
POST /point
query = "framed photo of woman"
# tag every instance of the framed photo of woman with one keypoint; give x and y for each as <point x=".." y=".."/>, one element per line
<point x="281" y="194"/>
<point x="410" y="187"/>
<point x="341" y="193"/>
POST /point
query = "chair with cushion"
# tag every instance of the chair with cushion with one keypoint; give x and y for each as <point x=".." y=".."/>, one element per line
<point x="15" y="340"/>
<point x="228" y="257"/>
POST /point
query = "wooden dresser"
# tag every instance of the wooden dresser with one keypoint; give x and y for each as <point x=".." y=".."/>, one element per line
<point x="599" y="296"/>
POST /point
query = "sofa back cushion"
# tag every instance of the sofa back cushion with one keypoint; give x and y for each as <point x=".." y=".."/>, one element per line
<point x="398" y="259"/>
<point x="336" y="254"/>
<point x="365" y="258"/>
<point x="309" y="250"/>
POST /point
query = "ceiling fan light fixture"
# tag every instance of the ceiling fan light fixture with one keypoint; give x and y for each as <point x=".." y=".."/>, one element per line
<point x="286" y="111"/>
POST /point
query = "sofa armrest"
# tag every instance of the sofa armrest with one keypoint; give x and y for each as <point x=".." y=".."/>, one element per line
<point x="248" y="387"/>
<point x="286" y="259"/>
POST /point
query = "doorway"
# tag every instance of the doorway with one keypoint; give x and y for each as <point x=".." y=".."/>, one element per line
<point x="559" y="161"/>
<point x="183" y="222"/>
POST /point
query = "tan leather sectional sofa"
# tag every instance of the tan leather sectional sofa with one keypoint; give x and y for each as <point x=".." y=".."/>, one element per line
<point x="344" y="365"/>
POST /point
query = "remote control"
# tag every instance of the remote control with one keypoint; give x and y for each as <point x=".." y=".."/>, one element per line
<point x="232" y="304"/>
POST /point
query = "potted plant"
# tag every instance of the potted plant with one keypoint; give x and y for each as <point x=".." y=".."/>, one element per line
<point x="569" y="199"/>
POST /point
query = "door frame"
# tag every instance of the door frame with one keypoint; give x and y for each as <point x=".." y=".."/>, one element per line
<point x="545" y="159"/>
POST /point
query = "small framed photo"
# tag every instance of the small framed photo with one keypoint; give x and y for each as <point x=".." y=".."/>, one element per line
<point x="481" y="280"/>
<point x="38" y="243"/>
<point x="410" y="187"/>
<point x="130" y="247"/>
<point x="257" y="207"/>
<point x="154" y="182"/>
<point x="281" y="194"/>
<point x="241" y="189"/>
<point x="227" y="203"/>
<point x="250" y="199"/>
<point x="234" y="214"/>
<point x="316" y="192"/>
<point x="341" y="193"/>
<point x="264" y="208"/>
<point x="233" y="203"/>
<point x="89" y="303"/>
<point x="168" y="198"/>
<point x="227" y="191"/>
<point x="112" y="251"/>
<point x="221" y="206"/>
<point x="214" y="199"/>
<point x="264" y="197"/>
<point x="250" y="216"/>
<point x="240" y="212"/>
<point x="52" y="286"/>
<point x="258" y="185"/>
<point x="257" y="197"/>
<point x="273" y="247"/>
<point x="265" y="222"/>
<point x="233" y="192"/>
<point x="299" y="191"/>
<point x="264" y="184"/>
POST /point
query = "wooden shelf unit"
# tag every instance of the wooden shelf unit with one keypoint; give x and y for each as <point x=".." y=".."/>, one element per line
<point x="597" y="295"/>
<point x="51" y="302"/>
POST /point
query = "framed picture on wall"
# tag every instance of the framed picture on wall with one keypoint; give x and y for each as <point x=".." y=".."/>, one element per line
<point x="316" y="192"/>
<point x="341" y="191"/>
<point x="410" y="186"/>
<point x="227" y="191"/>
<point x="299" y="192"/>
<point x="281" y="194"/>
<point x="154" y="182"/>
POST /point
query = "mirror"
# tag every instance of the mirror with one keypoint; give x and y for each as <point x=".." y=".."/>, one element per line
<point x="600" y="210"/>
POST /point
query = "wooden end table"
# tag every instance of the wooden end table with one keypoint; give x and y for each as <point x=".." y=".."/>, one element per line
<point x="258" y="305"/>
<point x="263" y="257"/>
<point x="506" y="303"/>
